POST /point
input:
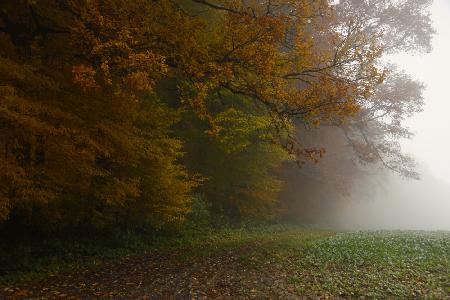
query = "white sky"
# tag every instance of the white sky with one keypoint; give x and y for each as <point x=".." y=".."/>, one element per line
<point x="431" y="145"/>
<point x="424" y="204"/>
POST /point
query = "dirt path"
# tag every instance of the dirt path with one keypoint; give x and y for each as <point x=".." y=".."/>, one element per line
<point x="224" y="276"/>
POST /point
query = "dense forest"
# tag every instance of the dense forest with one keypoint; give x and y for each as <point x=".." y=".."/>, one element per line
<point x="155" y="114"/>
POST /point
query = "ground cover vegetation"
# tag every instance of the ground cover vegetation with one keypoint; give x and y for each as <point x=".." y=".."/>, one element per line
<point x="262" y="262"/>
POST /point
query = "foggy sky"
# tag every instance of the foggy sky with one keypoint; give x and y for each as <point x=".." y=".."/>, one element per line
<point x="431" y="145"/>
<point x="410" y="204"/>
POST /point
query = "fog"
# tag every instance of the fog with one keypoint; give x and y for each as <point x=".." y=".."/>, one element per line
<point x="379" y="200"/>
<point x="396" y="203"/>
<point x="431" y="142"/>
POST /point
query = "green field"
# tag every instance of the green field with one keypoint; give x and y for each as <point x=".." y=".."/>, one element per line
<point x="277" y="262"/>
<point x="377" y="264"/>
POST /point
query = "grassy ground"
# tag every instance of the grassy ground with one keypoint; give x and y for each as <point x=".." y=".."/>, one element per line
<point x="284" y="262"/>
<point x="377" y="265"/>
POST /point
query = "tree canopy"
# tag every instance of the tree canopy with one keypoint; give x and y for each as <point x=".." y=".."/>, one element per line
<point x="117" y="113"/>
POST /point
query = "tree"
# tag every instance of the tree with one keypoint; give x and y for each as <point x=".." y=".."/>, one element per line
<point x="375" y="130"/>
<point x="374" y="133"/>
<point x="266" y="51"/>
<point x="369" y="139"/>
<point x="240" y="164"/>
<point x="405" y="24"/>
<point x="86" y="142"/>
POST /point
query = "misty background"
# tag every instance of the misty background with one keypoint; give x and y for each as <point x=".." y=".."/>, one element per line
<point x="381" y="199"/>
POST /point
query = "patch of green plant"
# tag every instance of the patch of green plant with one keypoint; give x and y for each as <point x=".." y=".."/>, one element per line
<point x="378" y="265"/>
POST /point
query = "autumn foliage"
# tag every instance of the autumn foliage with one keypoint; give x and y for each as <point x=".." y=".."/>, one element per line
<point x="115" y="113"/>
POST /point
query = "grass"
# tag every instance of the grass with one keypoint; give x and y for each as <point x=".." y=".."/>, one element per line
<point x="384" y="264"/>
<point x="377" y="265"/>
<point x="36" y="259"/>
<point x="317" y="263"/>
